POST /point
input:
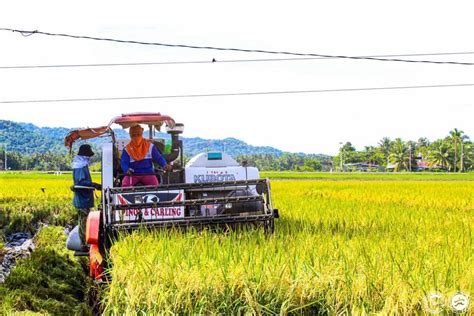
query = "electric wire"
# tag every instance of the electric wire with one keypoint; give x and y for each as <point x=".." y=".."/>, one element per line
<point x="218" y="61"/>
<point x="237" y="94"/>
<point x="242" y="50"/>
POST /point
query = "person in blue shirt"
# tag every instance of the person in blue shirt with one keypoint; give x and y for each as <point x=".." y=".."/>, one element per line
<point x="137" y="160"/>
<point x="83" y="198"/>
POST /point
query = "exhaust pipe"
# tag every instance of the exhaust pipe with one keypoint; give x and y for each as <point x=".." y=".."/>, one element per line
<point x="176" y="143"/>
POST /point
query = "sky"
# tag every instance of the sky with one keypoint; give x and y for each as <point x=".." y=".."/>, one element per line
<point x="310" y="123"/>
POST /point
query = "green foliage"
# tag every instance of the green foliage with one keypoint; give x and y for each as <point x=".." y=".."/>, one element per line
<point x="286" y="161"/>
<point x="49" y="281"/>
<point x="39" y="161"/>
<point x="400" y="155"/>
<point x="232" y="146"/>
<point x="2" y="248"/>
<point x="43" y="149"/>
<point x="453" y="153"/>
<point x="34" y="148"/>
<point x="27" y="138"/>
<point x="311" y="164"/>
<point x="439" y="154"/>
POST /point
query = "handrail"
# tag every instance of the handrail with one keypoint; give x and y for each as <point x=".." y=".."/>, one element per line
<point x="184" y="186"/>
<point x="237" y="199"/>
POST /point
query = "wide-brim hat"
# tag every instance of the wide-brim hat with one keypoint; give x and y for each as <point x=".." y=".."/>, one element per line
<point x="85" y="150"/>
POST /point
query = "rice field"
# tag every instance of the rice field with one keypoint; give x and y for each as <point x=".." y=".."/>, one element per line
<point x="340" y="247"/>
<point x="290" y="175"/>
<point x="29" y="198"/>
<point x="51" y="281"/>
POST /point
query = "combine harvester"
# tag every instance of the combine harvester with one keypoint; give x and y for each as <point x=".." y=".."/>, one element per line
<point x="211" y="191"/>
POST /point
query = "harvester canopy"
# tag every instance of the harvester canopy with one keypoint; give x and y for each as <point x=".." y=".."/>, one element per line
<point x="125" y="120"/>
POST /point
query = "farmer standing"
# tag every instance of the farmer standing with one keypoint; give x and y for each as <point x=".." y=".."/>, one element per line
<point x="83" y="197"/>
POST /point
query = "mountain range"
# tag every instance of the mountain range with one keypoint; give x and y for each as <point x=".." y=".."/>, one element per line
<point x="27" y="138"/>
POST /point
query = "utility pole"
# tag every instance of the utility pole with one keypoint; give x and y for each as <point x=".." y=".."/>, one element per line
<point x="462" y="155"/>
<point x="5" y="158"/>
<point x="342" y="156"/>
<point x="409" y="161"/>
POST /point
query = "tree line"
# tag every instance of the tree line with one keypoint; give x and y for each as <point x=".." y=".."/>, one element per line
<point x="38" y="161"/>
<point x="454" y="153"/>
<point x="60" y="161"/>
<point x="287" y="162"/>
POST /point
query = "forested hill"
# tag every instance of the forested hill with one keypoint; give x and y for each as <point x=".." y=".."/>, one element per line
<point x="26" y="138"/>
<point x="29" y="139"/>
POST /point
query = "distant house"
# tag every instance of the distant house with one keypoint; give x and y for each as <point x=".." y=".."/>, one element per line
<point x="391" y="167"/>
<point x="326" y="165"/>
<point x="422" y="165"/>
<point x="362" y="167"/>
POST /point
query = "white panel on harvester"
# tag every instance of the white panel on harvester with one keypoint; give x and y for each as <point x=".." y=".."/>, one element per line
<point x="107" y="165"/>
<point x="217" y="167"/>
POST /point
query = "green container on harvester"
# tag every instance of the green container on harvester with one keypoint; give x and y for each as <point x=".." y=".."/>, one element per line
<point x="167" y="149"/>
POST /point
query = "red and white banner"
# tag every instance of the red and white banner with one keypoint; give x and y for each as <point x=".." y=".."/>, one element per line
<point x="149" y="213"/>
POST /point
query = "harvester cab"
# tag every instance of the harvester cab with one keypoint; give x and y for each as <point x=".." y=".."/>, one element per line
<point x="211" y="191"/>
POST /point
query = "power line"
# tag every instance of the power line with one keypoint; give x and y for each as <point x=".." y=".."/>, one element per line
<point x="219" y="61"/>
<point x="236" y="94"/>
<point x="242" y="50"/>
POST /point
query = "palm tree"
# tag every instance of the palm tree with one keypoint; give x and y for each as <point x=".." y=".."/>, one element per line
<point x="385" y="145"/>
<point x="457" y="138"/>
<point x="370" y="154"/>
<point x="423" y="144"/>
<point x="468" y="156"/>
<point x="412" y="148"/>
<point x="464" y="151"/>
<point x="400" y="155"/>
<point x="439" y="154"/>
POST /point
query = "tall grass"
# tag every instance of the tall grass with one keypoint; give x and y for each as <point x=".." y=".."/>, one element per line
<point x="51" y="281"/>
<point x="339" y="247"/>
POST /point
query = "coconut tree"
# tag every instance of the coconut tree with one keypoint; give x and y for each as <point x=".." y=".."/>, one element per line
<point x="423" y="144"/>
<point x="468" y="156"/>
<point x="400" y="155"/>
<point x="439" y="154"/>
<point x="457" y="137"/>
<point x="466" y="150"/>
<point x="385" y="145"/>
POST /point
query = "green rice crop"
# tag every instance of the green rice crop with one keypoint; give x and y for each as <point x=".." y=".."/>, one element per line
<point x="51" y="281"/>
<point x="340" y="247"/>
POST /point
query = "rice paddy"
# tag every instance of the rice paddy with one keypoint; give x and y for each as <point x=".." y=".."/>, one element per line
<point x="350" y="247"/>
<point x="340" y="247"/>
<point x="292" y="175"/>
